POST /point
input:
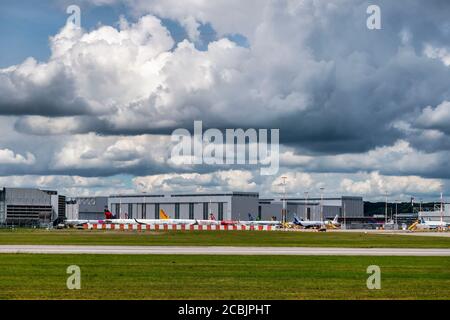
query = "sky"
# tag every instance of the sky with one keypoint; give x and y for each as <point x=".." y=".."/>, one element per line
<point x="90" y="110"/>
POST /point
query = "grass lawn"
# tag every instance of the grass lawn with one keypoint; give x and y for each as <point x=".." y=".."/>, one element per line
<point x="222" y="277"/>
<point x="220" y="238"/>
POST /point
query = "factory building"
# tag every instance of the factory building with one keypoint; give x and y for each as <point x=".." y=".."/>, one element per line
<point x="26" y="206"/>
<point x="230" y="206"/>
<point x="435" y="215"/>
<point x="224" y="206"/>
<point x="86" y="208"/>
<point x="312" y="208"/>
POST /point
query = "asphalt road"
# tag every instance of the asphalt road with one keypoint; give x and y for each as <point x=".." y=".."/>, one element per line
<point x="295" y="251"/>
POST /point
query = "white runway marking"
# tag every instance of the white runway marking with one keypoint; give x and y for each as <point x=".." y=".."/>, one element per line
<point x="295" y="251"/>
<point x="421" y="234"/>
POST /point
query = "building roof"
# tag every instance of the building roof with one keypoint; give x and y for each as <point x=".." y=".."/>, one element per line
<point x="197" y="194"/>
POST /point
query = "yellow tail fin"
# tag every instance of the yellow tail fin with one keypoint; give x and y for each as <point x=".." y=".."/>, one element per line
<point x="163" y="215"/>
<point x="413" y="227"/>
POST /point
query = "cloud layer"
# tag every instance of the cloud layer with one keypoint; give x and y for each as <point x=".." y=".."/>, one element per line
<point x="363" y="106"/>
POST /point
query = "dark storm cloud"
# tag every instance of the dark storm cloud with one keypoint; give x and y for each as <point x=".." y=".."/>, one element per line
<point x="315" y="72"/>
<point x="361" y="118"/>
<point x="53" y="96"/>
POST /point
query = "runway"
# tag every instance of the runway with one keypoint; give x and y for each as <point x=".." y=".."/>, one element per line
<point x="179" y="250"/>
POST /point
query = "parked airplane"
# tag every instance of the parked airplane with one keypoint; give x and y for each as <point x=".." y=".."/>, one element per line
<point x="260" y="223"/>
<point x="317" y="224"/>
<point x="308" y="224"/>
<point x="163" y="219"/>
<point x="333" y="223"/>
<point x="253" y="222"/>
<point x="430" y="224"/>
<point x="75" y="223"/>
<point x="174" y="221"/>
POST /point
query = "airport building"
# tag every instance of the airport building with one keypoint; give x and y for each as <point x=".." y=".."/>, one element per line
<point x="436" y="214"/>
<point x="26" y="206"/>
<point x="224" y="206"/>
<point x="313" y="208"/>
<point x="231" y="206"/>
<point x="86" y="208"/>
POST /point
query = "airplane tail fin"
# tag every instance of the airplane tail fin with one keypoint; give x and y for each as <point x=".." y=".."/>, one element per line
<point x="413" y="226"/>
<point x="296" y="220"/>
<point x="336" y="219"/>
<point x="163" y="215"/>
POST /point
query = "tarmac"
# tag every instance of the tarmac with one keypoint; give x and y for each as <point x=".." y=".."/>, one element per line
<point x="216" y="250"/>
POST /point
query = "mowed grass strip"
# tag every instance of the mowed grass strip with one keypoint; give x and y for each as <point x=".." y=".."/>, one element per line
<point x="219" y="238"/>
<point x="222" y="277"/>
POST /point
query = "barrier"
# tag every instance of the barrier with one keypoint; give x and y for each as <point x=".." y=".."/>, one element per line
<point x="176" y="227"/>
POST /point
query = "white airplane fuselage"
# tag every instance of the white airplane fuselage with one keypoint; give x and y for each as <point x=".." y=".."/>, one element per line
<point x="317" y="223"/>
<point x="144" y="221"/>
<point x="433" y="224"/>
<point x="260" y="223"/>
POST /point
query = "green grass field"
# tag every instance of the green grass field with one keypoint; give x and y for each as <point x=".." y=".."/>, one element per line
<point x="220" y="238"/>
<point x="222" y="277"/>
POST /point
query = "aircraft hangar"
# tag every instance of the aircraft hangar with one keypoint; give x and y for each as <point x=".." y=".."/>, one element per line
<point x="231" y="206"/>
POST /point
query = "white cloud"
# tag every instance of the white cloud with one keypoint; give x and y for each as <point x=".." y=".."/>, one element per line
<point x="231" y="180"/>
<point x="295" y="182"/>
<point x="438" y="117"/>
<point x="192" y="28"/>
<point x="9" y="157"/>
<point x="99" y="152"/>
<point x="38" y="125"/>
<point x="67" y="185"/>
<point x="226" y="16"/>
<point x="375" y="184"/>
<point x="237" y="180"/>
<point x="438" y="53"/>
<point x="399" y="158"/>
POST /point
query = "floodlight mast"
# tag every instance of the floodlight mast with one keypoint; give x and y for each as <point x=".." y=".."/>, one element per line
<point x="321" y="203"/>
<point x="345" y="221"/>
<point x="284" y="213"/>
<point x="306" y="206"/>
<point x="396" y="213"/>
<point x="386" y="209"/>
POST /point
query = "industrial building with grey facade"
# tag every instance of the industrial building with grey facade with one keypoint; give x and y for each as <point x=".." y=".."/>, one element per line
<point x="86" y="208"/>
<point x="232" y="206"/>
<point x="24" y="206"/>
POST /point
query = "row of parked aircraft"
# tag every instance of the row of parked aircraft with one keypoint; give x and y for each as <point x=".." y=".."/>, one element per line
<point x="165" y="219"/>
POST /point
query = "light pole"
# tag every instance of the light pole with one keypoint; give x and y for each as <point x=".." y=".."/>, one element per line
<point x="385" y="209"/>
<point x="321" y="203"/>
<point x="345" y="222"/>
<point x="306" y="206"/>
<point x="120" y="207"/>
<point x="283" y="213"/>
<point x="396" y="212"/>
